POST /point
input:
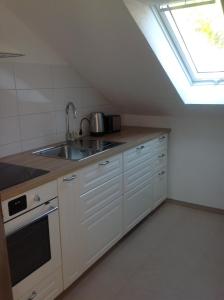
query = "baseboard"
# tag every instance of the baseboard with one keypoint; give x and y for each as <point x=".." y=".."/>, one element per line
<point x="196" y="206"/>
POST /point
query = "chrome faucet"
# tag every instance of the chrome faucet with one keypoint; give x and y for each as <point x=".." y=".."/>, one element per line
<point x="70" y="135"/>
<point x="81" y="122"/>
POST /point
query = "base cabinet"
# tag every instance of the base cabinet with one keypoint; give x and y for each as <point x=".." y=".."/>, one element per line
<point x="102" y="202"/>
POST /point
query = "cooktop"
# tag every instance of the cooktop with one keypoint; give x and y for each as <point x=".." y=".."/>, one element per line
<point x="11" y="175"/>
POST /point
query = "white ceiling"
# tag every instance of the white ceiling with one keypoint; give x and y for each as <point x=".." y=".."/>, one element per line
<point x="103" y="42"/>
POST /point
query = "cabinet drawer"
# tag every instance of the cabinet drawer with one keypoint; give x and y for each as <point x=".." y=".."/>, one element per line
<point x="139" y="154"/>
<point x="48" y="289"/>
<point x="99" y="173"/>
<point x="137" y="204"/>
<point x="160" y="159"/>
<point x="138" y="174"/>
<point x="98" y="199"/>
<point x="161" y="142"/>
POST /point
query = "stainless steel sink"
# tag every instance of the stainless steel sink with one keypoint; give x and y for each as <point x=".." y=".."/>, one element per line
<point x="77" y="150"/>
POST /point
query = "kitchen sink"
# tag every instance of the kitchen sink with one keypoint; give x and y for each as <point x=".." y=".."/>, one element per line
<point x="78" y="149"/>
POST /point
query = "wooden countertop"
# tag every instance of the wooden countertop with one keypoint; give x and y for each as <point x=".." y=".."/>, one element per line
<point x="132" y="136"/>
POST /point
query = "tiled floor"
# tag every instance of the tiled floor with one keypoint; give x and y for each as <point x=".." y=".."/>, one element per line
<point x="175" y="254"/>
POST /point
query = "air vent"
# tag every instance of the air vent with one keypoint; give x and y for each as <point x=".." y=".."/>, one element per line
<point x="10" y="54"/>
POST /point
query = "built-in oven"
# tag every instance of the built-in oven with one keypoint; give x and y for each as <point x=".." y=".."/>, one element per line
<point x="33" y="241"/>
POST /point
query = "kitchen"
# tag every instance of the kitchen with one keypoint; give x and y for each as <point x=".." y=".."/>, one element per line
<point x="35" y="88"/>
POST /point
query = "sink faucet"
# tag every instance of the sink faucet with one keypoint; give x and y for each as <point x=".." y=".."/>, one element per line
<point x="81" y="122"/>
<point x="70" y="135"/>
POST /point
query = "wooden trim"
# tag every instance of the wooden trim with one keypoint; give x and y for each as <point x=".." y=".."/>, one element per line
<point x="196" y="206"/>
<point x="5" y="282"/>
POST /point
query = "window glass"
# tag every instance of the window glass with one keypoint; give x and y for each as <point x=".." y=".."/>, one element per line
<point x="196" y="29"/>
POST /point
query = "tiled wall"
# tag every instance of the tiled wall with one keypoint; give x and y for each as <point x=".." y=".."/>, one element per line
<point x="32" y="104"/>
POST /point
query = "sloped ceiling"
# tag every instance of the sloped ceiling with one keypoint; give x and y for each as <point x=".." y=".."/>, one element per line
<point x="103" y="42"/>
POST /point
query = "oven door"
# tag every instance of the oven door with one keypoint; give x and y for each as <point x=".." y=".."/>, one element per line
<point x="33" y="241"/>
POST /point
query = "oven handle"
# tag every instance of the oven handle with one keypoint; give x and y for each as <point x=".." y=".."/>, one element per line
<point x="46" y="213"/>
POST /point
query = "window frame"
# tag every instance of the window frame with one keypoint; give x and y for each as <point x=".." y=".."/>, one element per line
<point x="181" y="51"/>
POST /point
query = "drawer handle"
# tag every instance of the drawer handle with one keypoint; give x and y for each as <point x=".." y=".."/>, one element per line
<point x="161" y="156"/>
<point x="34" y="294"/>
<point x="162" y="138"/>
<point x="104" y="163"/>
<point x="68" y="179"/>
<point x="140" y="147"/>
<point x="162" y="173"/>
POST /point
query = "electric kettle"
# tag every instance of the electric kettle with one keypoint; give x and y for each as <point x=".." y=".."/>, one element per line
<point x="97" y="123"/>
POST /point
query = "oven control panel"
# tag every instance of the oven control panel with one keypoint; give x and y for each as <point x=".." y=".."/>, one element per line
<point x="22" y="203"/>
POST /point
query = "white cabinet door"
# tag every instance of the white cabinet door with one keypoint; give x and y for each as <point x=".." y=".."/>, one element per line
<point x="159" y="188"/>
<point x="68" y="192"/>
<point x="138" y="174"/>
<point x="101" y="220"/>
<point x="99" y="173"/>
<point x="137" y="204"/>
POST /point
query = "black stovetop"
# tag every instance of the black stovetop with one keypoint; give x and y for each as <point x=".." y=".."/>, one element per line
<point x="11" y="175"/>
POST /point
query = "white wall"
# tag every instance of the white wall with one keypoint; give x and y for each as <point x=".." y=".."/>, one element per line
<point x="196" y="162"/>
<point x="18" y="37"/>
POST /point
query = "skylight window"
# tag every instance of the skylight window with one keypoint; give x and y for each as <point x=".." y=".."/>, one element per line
<point x="195" y="30"/>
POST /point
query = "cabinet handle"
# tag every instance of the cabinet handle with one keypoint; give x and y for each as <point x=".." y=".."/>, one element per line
<point x="161" y="156"/>
<point x="68" y="179"/>
<point x="162" y="138"/>
<point x="104" y="163"/>
<point x="34" y="294"/>
<point x="162" y="173"/>
<point x="140" y="147"/>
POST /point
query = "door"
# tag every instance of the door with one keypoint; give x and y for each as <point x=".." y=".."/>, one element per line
<point x="68" y="193"/>
<point x="137" y="204"/>
<point x="100" y="220"/>
<point x="159" y="188"/>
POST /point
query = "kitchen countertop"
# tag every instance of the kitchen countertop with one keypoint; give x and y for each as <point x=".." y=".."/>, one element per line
<point x="131" y="136"/>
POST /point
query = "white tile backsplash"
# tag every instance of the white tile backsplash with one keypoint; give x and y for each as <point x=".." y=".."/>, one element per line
<point x="65" y="95"/>
<point x="33" y="76"/>
<point x="35" y="101"/>
<point x="60" y="122"/>
<point x="37" y="125"/>
<point x="32" y="104"/>
<point x="8" y="103"/>
<point x="38" y="142"/>
<point x="9" y="149"/>
<point x="7" y="79"/>
<point x="9" y="130"/>
<point x="65" y="77"/>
